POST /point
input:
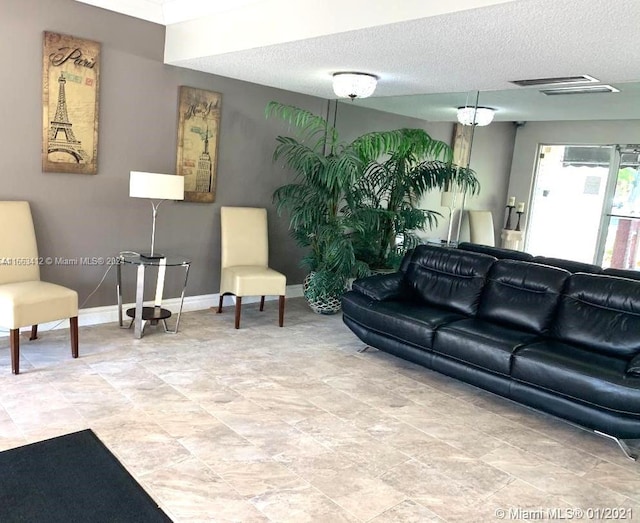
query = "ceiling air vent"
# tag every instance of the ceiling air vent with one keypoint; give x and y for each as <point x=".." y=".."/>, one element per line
<point x="580" y="89"/>
<point x="562" y="80"/>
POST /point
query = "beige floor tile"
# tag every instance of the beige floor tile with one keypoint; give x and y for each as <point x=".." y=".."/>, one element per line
<point x="519" y="500"/>
<point x="288" y="405"/>
<point x="10" y="435"/>
<point x="264" y="424"/>
<point x="190" y="491"/>
<point x="139" y="443"/>
<point x="601" y="447"/>
<point x="454" y="431"/>
<point x="328" y="465"/>
<point x="180" y="424"/>
<point x="556" y="481"/>
<point x="329" y="429"/>
<point x="302" y="505"/>
<point x="221" y="448"/>
<point x="372" y="456"/>
<point x="617" y="478"/>
<point x="429" y="487"/>
<point x="260" y="477"/>
<point x="464" y="469"/>
<point x="408" y="512"/>
<point x="364" y="497"/>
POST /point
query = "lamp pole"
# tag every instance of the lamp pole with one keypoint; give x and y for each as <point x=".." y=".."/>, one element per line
<point x="154" y="206"/>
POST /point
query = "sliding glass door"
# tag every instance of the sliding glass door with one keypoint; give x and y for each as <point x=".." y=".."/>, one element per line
<point x="568" y="201"/>
<point x="619" y="244"/>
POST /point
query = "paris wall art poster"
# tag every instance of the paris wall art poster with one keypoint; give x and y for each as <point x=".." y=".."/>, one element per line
<point x="70" y="83"/>
<point x="198" y="129"/>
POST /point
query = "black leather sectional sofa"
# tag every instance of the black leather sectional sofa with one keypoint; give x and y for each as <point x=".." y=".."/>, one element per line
<point x="561" y="342"/>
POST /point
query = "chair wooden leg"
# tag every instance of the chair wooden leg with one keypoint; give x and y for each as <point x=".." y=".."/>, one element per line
<point x="74" y="336"/>
<point x="34" y="332"/>
<point x="281" y="310"/>
<point x="220" y="303"/>
<point x="238" y="310"/>
<point x="261" y="303"/>
<point x="15" y="350"/>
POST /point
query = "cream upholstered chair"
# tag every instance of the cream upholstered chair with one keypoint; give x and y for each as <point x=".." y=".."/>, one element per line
<point x="24" y="299"/>
<point x="481" y="228"/>
<point x="245" y="258"/>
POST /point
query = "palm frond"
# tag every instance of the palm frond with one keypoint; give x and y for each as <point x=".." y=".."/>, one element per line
<point x="310" y="127"/>
<point x="386" y="195"/>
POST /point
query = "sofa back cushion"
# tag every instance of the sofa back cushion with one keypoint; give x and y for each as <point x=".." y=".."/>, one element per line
<point x="404" y="264"/>
<point x="622" y="273"/>
<point x="601" y="313"/>
<point x="447" y="277"/>
<point x="569" y="265"/>
<point x="499" y="252"/>
<point x="522" y="295"/>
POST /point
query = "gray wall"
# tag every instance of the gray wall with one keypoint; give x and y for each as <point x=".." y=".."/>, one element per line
<point x="352" y="121"/>
<point x="93" y="216"/>
<point x="587" y="132"/>
<point x="83" y="215"/>
<point x="491" y="156"/>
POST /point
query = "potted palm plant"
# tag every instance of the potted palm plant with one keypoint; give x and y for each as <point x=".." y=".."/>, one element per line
<point x="325" y="171"/>
<point x="385" y="198"/>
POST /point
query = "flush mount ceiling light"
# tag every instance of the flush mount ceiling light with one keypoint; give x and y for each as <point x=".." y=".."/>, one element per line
<point x="354" y="85"/>
<point x="475" y="115"/>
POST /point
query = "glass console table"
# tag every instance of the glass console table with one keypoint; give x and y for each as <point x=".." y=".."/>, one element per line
<point x="140" y="314"/>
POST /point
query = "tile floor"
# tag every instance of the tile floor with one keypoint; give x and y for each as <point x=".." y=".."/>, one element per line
<point x="265" y="424"/>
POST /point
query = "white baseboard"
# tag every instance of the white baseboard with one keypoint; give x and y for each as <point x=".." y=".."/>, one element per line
<point x="109" y="313"/>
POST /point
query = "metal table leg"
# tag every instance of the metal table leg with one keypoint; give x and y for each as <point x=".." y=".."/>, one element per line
<point x="119" y="292"/>
<point x="184" y="288"/>
<point x="138" y="321"/>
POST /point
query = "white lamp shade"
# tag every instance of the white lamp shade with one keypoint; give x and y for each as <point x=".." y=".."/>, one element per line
<point x="156" y="186"/>
<point x="354" y="85"/>
<point x="475" y="115"/>
<point x="448" y="199"/>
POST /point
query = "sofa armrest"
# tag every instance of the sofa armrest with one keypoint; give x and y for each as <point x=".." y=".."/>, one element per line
<point x="383" y="287"/>
<point x="633" y="367"/>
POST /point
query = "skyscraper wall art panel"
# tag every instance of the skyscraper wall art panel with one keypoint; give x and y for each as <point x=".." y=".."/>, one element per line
<point x="198" y="130"/>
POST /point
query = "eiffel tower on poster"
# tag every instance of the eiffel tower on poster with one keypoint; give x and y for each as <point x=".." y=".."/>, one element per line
<point x="60" y="125"/>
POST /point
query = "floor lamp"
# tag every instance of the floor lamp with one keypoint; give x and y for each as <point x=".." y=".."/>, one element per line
<point x="448" y="199"/>
<point x="157" y="188"/>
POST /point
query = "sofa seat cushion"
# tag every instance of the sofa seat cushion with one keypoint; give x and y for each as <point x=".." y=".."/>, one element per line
<point x="410" y="322"/>
<point x="480" y="343"/>
<point x="579" y="374"/>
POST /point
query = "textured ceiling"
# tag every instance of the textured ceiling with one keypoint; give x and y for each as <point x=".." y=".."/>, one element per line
<point x="474" y="49"/>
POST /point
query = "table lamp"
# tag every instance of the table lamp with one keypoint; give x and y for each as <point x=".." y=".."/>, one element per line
<point x="158" y="187"/>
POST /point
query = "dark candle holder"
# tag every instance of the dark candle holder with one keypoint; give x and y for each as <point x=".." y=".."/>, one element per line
<point x="510" y="209"/>
<point x="519" y="213"/>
